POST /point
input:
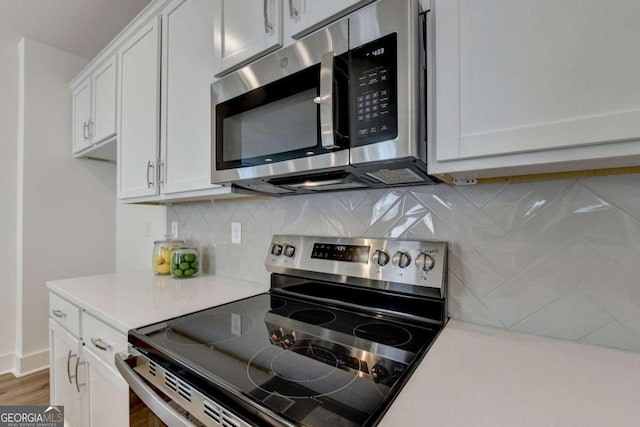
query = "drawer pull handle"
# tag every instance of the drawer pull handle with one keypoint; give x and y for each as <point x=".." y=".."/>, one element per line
<point x="99" y="342"/>
<point x="59" y="313"/>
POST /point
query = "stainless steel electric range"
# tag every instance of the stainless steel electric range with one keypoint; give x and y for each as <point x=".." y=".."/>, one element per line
<point x="344" y="325"/>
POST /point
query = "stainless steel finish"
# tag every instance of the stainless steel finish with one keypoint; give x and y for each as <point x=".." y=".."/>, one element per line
<point x="69" y="356"/>
<point x="276" y="250"/>
<point x="100" y="344"/>
<point x="299" y="56"/>
<point x="380" y="258"/>
<point x="370" y="273"/>
<point x="59" y="313"/>
<point x="158" y="406"/>
<point x="268" y="26"/>
<point x="85" y="131"/>
<point x="401" y="259"/>
<point x="424" y="262"/>
<point x="149" y="167"/>
<point x="375" y="21"/>
<point x="293" y="11"/>
<point x="326" y="101"/>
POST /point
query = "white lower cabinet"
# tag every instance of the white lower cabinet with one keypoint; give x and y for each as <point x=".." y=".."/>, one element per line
<point x="109" y="397"/>
<point x="82" y="374"/>
<point x="68" y="376"/>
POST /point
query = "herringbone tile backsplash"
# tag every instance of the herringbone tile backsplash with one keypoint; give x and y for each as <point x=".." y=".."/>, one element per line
<point x="559" y="258"/>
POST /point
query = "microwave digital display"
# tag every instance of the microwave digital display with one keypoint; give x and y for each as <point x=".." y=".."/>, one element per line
<point x="374" y="99"/>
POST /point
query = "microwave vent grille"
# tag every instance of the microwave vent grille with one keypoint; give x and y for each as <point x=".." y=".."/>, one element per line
<point x="396" y="176"/>
<point x="267" y="188"/>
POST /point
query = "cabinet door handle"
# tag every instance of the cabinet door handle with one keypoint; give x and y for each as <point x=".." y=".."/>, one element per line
<point x="99" y="343"/>
<point x="149" y="167"/>
<point x="161" y="172"/>
<point x="85" y="131"/>
<point x="76" y="376"/>
<point x="268" y="26"/>
<point x="59" y="314"/>
<point x="69" y="356"/>
<point x="293" y="11"/>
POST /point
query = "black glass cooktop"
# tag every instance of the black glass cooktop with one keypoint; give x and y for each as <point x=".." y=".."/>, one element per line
<point x="309" y="363"/>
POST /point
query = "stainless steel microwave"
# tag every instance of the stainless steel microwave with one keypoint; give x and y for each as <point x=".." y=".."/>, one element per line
<point x="342" y="108"/>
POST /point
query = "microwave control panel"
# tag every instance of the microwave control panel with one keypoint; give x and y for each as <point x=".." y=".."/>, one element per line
<point x="374" y="99"/>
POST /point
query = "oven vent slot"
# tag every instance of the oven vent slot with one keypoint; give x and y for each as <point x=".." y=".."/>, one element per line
<point x="212" y="411"/>
<point x="184" y="390"/>
<point x="171" y="381"/>
<point x="229" y="420"/>
<point x="152" y="368"/>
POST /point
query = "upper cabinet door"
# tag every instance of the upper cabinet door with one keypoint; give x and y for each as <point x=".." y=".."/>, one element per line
<point x="187" y="73"/>
<point x="81" y="117"/>
<point x="245" y="30"/>
<point x="104" y="102"/>
<point x="304" y="16"/>
<point x="139" y="77"/>
<point x="531" y="76"/>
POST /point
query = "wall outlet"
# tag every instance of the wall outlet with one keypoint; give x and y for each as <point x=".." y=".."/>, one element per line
<point x="174" y="229"/>
<point x="236" y="232"/>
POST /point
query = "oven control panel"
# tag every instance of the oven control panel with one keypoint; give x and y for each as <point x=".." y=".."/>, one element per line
<point x="413" y="262"/>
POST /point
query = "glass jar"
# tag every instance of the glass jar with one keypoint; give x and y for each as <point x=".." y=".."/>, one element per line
<point x="161" y="258"/>
<point x="185" y="263"/>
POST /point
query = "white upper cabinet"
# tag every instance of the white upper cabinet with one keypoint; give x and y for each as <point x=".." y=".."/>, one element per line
<point x="187" y="73"/>
<point x="81" y="105"/>
<point x="245" y="30"/>
<point x="104" y="102"/>
<point x="94" y="112"/>
<point x="535" y="86"/>
<point x="139" y="77"/>
<point x="303" y="16"/>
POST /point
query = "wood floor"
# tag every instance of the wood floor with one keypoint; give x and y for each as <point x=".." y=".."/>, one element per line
<point x="29" y="390"/>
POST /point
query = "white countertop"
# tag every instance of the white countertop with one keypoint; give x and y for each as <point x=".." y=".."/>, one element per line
<point x="133" y="299"/>
<point x="472" y="376"/>
<point x="480" y="376"/>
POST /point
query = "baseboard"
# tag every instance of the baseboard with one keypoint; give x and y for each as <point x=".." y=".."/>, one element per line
<point x="6" y="363"/>
<point x="30" y="363"/>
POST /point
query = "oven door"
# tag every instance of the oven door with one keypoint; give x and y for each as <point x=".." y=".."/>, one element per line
<point x="286" y="113"/>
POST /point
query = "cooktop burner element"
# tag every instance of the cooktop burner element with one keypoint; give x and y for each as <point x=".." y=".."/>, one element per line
<point x="313" y="316"/>
<point x="331" y="344"/>
<point x="383" y="333"/>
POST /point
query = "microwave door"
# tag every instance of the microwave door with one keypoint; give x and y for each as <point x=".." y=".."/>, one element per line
<point x="289" y="125"/>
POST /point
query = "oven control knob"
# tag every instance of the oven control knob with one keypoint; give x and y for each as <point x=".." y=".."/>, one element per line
<point x="380" y="258"/>
<point x="379" y="373"/>
<point x="401" y="259"/>
<point x="289" y="250"/>
<point x="424" y="262"/>
<point x="276" y="249"/>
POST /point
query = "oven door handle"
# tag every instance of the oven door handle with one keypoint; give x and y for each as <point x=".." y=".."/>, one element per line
<point x="157" y="405"/>
<point x="325" y="101"/>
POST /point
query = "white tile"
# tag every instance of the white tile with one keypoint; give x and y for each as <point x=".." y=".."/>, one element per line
<point x="545" y="281"/>
<point x="480" y="194"/>
<point x="558" y="319"/>
<point x="463" y="305"/>
<point x="614" y="335"/>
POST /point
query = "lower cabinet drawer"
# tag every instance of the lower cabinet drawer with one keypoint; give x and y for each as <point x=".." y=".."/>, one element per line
<point x="65" y="313"/>
<point x="103" y="340"/>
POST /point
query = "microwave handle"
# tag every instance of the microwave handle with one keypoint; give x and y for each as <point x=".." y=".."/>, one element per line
<point x="325" y="100"/>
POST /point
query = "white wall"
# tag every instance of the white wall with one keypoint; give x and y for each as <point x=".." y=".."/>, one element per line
<point x="66" y="208"/>
<point x="137" y="227"/>
<point x="8" y="161"/>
